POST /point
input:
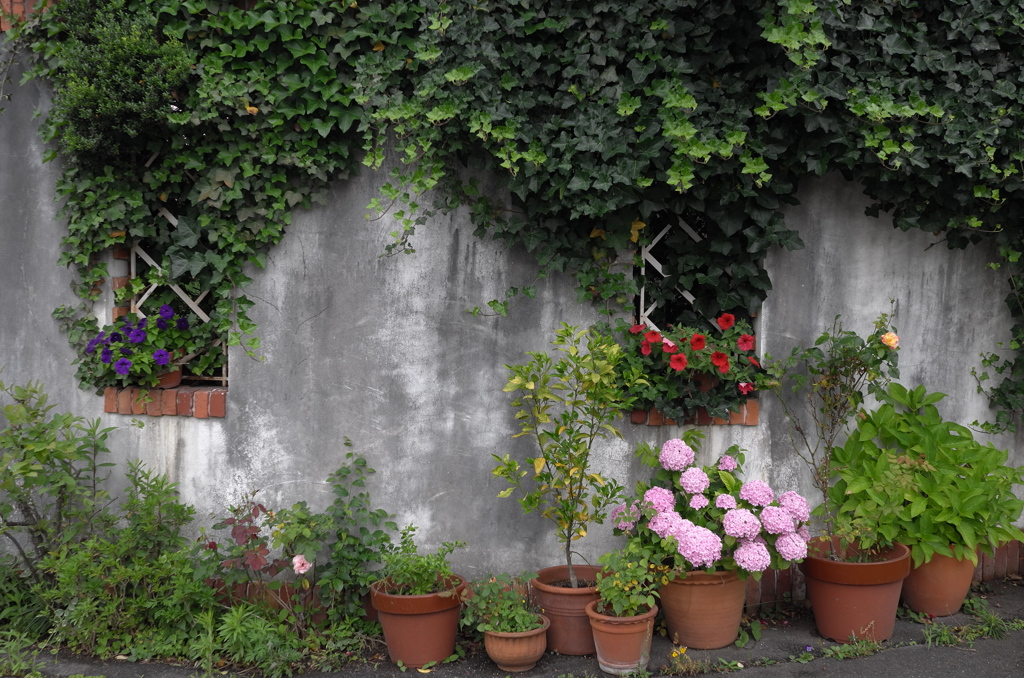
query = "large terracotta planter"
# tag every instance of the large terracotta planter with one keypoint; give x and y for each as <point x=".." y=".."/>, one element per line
<point x="623" y="643"/>
<point x="938" y="587"/>
<point x="569" y="632"/>
<point x="703" y="611"/>
<point x="516" y="652"/>
<point x="856" y="601"/>
<point x="419" y="629"/>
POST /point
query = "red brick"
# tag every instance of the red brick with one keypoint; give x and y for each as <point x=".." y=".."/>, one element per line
<point x="753" y="411"/>
<point x="118" y="311"/>
<point x="185" y="401"/>
<point x="655" y="418"/>
<point x="155" y="404"/>
<point x="703" y="418"/>
<point x="638" y="417"/>
<point x="124" y="401"/>
<point x="1013" y="558"/>
<point x="988" y="568"/>
<point x="201" y="404"/>
<point x="110" y="399"/>
<point x="138" y="402"/>
<point x="218" y="402"/>
<point x="118" y="283"/>
<point x="169" y="402"/>
<point x="753" y="598"/>
<point x="768" y="586"/>
<point x="736" y="417"/>
<point x="1020" y="558"/>
<point x="1000" y="562"/>
<point x="121" y="252"/>
<point x="718" y="421"/>
<point x="670" y="422"/>
<point x="784" y="584"/>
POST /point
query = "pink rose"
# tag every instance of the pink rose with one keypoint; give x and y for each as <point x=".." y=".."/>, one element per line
<point x="300" y="564"/>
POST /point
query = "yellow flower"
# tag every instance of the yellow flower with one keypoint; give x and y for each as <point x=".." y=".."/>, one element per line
<point x="890" y="340"/>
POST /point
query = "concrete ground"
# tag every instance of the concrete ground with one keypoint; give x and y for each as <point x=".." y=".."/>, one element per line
<point x="905" y="655"/>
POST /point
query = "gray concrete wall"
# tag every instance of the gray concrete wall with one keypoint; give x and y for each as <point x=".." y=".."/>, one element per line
<point x="380" y="350"/>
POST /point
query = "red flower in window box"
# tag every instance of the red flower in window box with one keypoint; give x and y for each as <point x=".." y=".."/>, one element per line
<point x="746" y="342"/>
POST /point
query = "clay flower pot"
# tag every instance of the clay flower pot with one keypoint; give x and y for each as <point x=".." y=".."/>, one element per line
<point x="516" y="652"/>
<point x="623" y="643"/>
<point x="566" y="608"/>
<point x="856" y="601"/>
<point x="938" y="587"/>
<point x="703" y="611"/>
<point x="419" y="629"/>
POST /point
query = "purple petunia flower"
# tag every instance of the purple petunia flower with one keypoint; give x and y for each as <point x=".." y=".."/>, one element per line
<point x="137" y="336"/>
<point x="126" y="351"/>
<point x="182" y="323"/>
<point x="142" y="323"/>
<point x="106" y="356"/>
<point x="161" y="324"/>
<point x="91" y="346"/>
<point x="123" y="366"/>
<point x="166" y="312"/>
<point x="757" y="492"/>
<point x="161" y="357"/>
<point x="115" y="337"/>
<point x="675" y="455"/>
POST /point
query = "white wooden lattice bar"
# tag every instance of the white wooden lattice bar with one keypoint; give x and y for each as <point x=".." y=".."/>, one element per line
<point x="649" y="259"/>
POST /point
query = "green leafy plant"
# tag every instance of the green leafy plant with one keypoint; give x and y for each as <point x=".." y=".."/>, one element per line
<point x="913" y="477"/>
<point x="681" y="369"/>
<point x="829" y="381"/>
<point x="500" y="603"/>
<point x="407" y="572"/>
<point x="50" y="482"/>
<point x="628" y="580"/>
<point x="566" y="405"/>
<point x="19" y="656"/>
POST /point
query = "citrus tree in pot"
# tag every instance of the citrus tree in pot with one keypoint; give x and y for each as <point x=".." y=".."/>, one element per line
<point x="515" y="634"/>
<point x="854" y="573"/>
<point x="418" y="602"/>
<point x="927" y="483"/>
<point x="566" y="404"/>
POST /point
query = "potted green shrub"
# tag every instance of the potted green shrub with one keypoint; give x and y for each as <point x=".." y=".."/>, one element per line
<point x="566" y="405"/>
<point x="515" y="635"/>
<point x="927" y="483"/>
<point x="622" y="619"/>
<point x="854" y="572"/>
<point x="417" y="601"/>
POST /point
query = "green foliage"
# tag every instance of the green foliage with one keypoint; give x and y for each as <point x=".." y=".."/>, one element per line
<point x="407" y="572"/>
<point x="566" y="405"/>
<point x="499" y="603"/>
<point x="628" y="579"/>
<point x="673" y="370"/>
<point x="360" y="537"/>
<point x="925" y="482"/>
<point x="19" y="657"/>
<point x="829" y="381"/>
<point x="50" y="494"/>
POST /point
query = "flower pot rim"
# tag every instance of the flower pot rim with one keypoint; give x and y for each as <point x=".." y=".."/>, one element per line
<point x="523" y="634"/>
<point x="453" y="582"/>
<point x="703" y="578"/>
<point x="595" y="615"/>
<point x="395" y="603"/>
<point x="895" y="567"/>
<point x="557" y="572"/>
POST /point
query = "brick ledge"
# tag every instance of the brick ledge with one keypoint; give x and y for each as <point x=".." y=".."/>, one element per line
<point x="201" y="402"/>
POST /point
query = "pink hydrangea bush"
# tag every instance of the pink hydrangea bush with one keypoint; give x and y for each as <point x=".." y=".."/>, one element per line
<point x="706" y="518"/>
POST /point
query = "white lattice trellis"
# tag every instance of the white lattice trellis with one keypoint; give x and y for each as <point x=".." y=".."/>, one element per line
<point x="647" y="253"/>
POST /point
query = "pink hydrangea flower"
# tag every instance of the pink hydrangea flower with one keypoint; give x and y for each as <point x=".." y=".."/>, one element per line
<point x="757" y="492"/>
<point x="804" y="533"/>
<point x="753" y="556"/>
<point x="300" y="564"/>
<point x="796" y="505"/>
<point x="777" y="520"/>
<point x="741" y="523"/>
<point x="624" y="517"/>
<point x="700" y="547"/>
<point x="726" y="501"/>
<point x="727" y="463"/>
<point x="694" y="480"/>
<point x="791" y="546"/>
<point x="675" y="455"/>
<point x="698" y="501"/>
<point x="667" y="524"/>
<point x="660" y="499"/>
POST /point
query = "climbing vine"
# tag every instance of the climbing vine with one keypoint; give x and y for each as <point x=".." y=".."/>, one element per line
<point x="607" y="122"/>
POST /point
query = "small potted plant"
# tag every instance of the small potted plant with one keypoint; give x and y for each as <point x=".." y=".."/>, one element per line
<point x="417" y="601"/>
<point x="710" y="531"/>
<point x="622" y="619"/>
<point x="515" y="635"/>
<point x="927" y="483"/>
<point x="854" y="572"/>
<point x="566" y="405"/>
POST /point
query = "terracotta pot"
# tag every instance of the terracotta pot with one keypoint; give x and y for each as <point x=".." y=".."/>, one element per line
<point x="419" y="629"/>
<point x="938" y="587"/>
<point x="703" y="611"/>
<point x="517" y="652"/>
<point x="623" y="643"/>
<point x="856" y="601"/>
<point x="170" y="379"/>
<point x="566" y="608"/>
